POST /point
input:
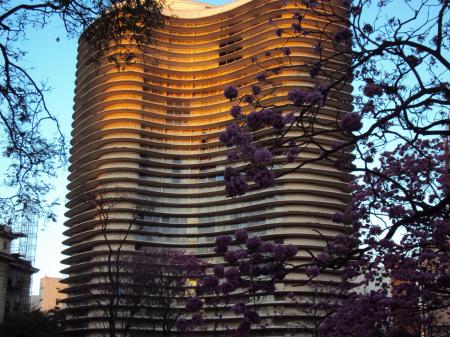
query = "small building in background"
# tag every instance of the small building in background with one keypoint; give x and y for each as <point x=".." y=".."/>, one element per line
<point x="50" y="295"/>
<point x="15" y="276"/>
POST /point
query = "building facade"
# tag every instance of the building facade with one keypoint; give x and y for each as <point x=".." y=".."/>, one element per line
<point x="146" y="135"/>
<point x="50" y="295"/>
<point x="15" y="276"/>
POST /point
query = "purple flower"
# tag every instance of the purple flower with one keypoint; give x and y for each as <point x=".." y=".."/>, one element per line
<point x="230" y="256"/>
<point x="289" y="118"/>
<point x="291" y="250"/>
<point x="181" y="324"/>
<point x="369" y="107"/>
<point x="338" y="217"/>
<point x="248" y="99"/>
<point x="241" y="235"/>
<point x="253" y="317"/>
<point x="315" y="70"/>
<point x="245" y="325"/>
<point x="286" y="51"/>
<point x="412" y="61"/>
<point x="375" y="230"/>
<point x="323" y="258"/>
<point x="253" y="243"/>
<point x="256" y="258"/>
<point x="232" y="274"/>
<point x="239" y="308"/>
<point x="223" y="239"/>
<point x="256" y="90"/>
<point x="279" y="272"/>
<point x="297" y="96"/>
<point x="254" y="120"/>
<point x="234" y="135"/>
<point x="270" y="117"/>
<point x="314" y="97"/>
<point x="230" y="92"/>
<point x="261" y="77"/>
<point x="263" y="177"/>
<point x="194" y="304"/>
<point x="210" y="281"/>
<point x="396" y="211"/>
<point x="367" y="28"/>
<point x="234" y="155"/>
<point x="312" y="271"/>
<point x="351" y="122"/>
<point x="241" y="253"/>
<point x="197" y="319"/>
<point x="227" y="287"/>
<point x="279" y="253"/>
<point x="371" y="89"/>
<point x="342" y="35"/>
<point x="236" y="112"/>
<point x="262" y="156"/>
<point x="267" y="247"/>
<point x="219" y="270"/>
<point x="292" y="152"/>
<point x="245" y="268"/>
<point x="230" y="172"/>
<point x="236" y="185"/>
<point x="222" y="243"/>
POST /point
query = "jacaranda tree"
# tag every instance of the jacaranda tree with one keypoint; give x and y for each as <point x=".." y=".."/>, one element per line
<point x="395" y="142"/>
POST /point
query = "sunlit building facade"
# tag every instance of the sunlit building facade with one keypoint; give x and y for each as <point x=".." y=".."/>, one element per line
<point x="147" y="135"/>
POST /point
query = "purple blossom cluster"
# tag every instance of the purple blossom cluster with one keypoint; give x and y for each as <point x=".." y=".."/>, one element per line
<point x="234" y="135"/>
<point x="343" y="35"/>
<point x="351" y="122"/>
<point x="403" y="270"/>
<point x="231" y="92"/>
<point x="286" y="51"/>
<point x="249" y="264"/>
<point x="261" y="77"/>
<point x="371" y="90"/>
<point x="292" y="152"/>
<point x="300" y="97"/>
<point x="236" y="112"/>
<point x="236" y="183"/>
<point x="266" y="117"/>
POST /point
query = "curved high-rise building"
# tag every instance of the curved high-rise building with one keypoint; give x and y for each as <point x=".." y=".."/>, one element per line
<point x="145" y="135"/>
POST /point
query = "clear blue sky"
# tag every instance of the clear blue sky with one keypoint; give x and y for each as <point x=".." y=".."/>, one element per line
<point x="54" y="63"/>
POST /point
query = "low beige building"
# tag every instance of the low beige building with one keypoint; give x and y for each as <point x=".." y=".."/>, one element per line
<point x="15" y="276"/>
<point x="50" y="295"/>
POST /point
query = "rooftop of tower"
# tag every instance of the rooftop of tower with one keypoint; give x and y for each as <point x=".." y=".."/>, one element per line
<point x="188" y="9"/>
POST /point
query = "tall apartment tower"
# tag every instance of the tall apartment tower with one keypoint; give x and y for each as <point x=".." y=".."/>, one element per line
<point x="147" y="135"/>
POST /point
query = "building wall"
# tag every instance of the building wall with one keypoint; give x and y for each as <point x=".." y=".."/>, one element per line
<point x="50" y="295"/>
<point x="147" y="135"/>
<point x="4" y="267"/>
<point x="15" y="277"/>
<point x="18" y="288"/>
